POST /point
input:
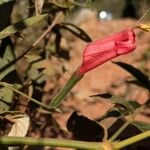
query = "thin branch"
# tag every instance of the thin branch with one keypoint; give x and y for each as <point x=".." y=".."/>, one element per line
<point x="55" y="21"/>
<point x="119" y="131"/>
<point x="9" y="86"/>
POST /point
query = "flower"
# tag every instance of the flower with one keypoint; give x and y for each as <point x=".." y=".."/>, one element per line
<point x="95" y="54"/>
<point x="98" y="52"/>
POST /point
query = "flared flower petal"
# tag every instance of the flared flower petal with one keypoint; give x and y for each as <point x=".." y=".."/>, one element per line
<point x="144" y="27"/>
<point x="98" y="52"/>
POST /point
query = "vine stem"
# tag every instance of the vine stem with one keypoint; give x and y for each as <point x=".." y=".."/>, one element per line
<point x="131" y="140"/>
<point x="10" y="141"/>
<point x="9" y="86"/>
<point x="50" y="142"/>
<point x="119" y="131"/>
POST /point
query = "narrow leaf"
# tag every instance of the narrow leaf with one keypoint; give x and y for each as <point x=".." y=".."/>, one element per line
<point x="6" y="96"/>
<point x="103" y="95"/>
<point x="6" y="55"/>
<point x="129" y="105"/>
<point x="135" y="82"/>
<point x="113" y="112"/>
<point x="6" y="7"/>
<point x="12" y="29"/>
<point x="143" y="126"/>
<point x="80" y="33"/>
<point x="136" y="73"/>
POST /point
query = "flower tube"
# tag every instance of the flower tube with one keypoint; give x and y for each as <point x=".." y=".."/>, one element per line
<point x="98" y="52"/>
<point x="95" y="54"/>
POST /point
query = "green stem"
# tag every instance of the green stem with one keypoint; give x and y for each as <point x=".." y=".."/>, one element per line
<point x="9" y="86"/>
<point x="65" y="90"/>
<point x="50" y="142"/>
<point x="72" y="143"/>
<point x="119" y="131"/>
<point x="129" y="141"/>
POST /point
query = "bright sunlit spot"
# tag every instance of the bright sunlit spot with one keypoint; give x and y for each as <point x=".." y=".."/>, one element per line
<point x="103" y="14"/>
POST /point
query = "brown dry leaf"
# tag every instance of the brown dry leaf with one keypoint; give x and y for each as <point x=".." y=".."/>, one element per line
<point x="20" y="126"/>
<point x="38" y="6"/>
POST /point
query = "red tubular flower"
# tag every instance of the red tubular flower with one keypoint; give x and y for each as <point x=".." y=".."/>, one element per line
<point x="95" y="54"/>
<point x="98" y="52"/>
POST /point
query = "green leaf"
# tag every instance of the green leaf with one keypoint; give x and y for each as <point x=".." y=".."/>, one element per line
<point x="135" y="105"/>
<point x="6" y="7"/>
<point x="39" y="69"/>
<point x="33" y="73"/>
<point x="112" y="112"/>
<point x="7" y="55"/>
<point x="103" y="95"/>
<point x="32" y="58"/>
<point x="6" y="96"/>
<point x="129" y="105"/>
<point x="76" y="31"/>
<point x="136" y="73"/>
<point x="143" y="126"/>
<point x="135" y="82"/>
<point x="14" y="28"/>
<point x="11" y="113"/>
